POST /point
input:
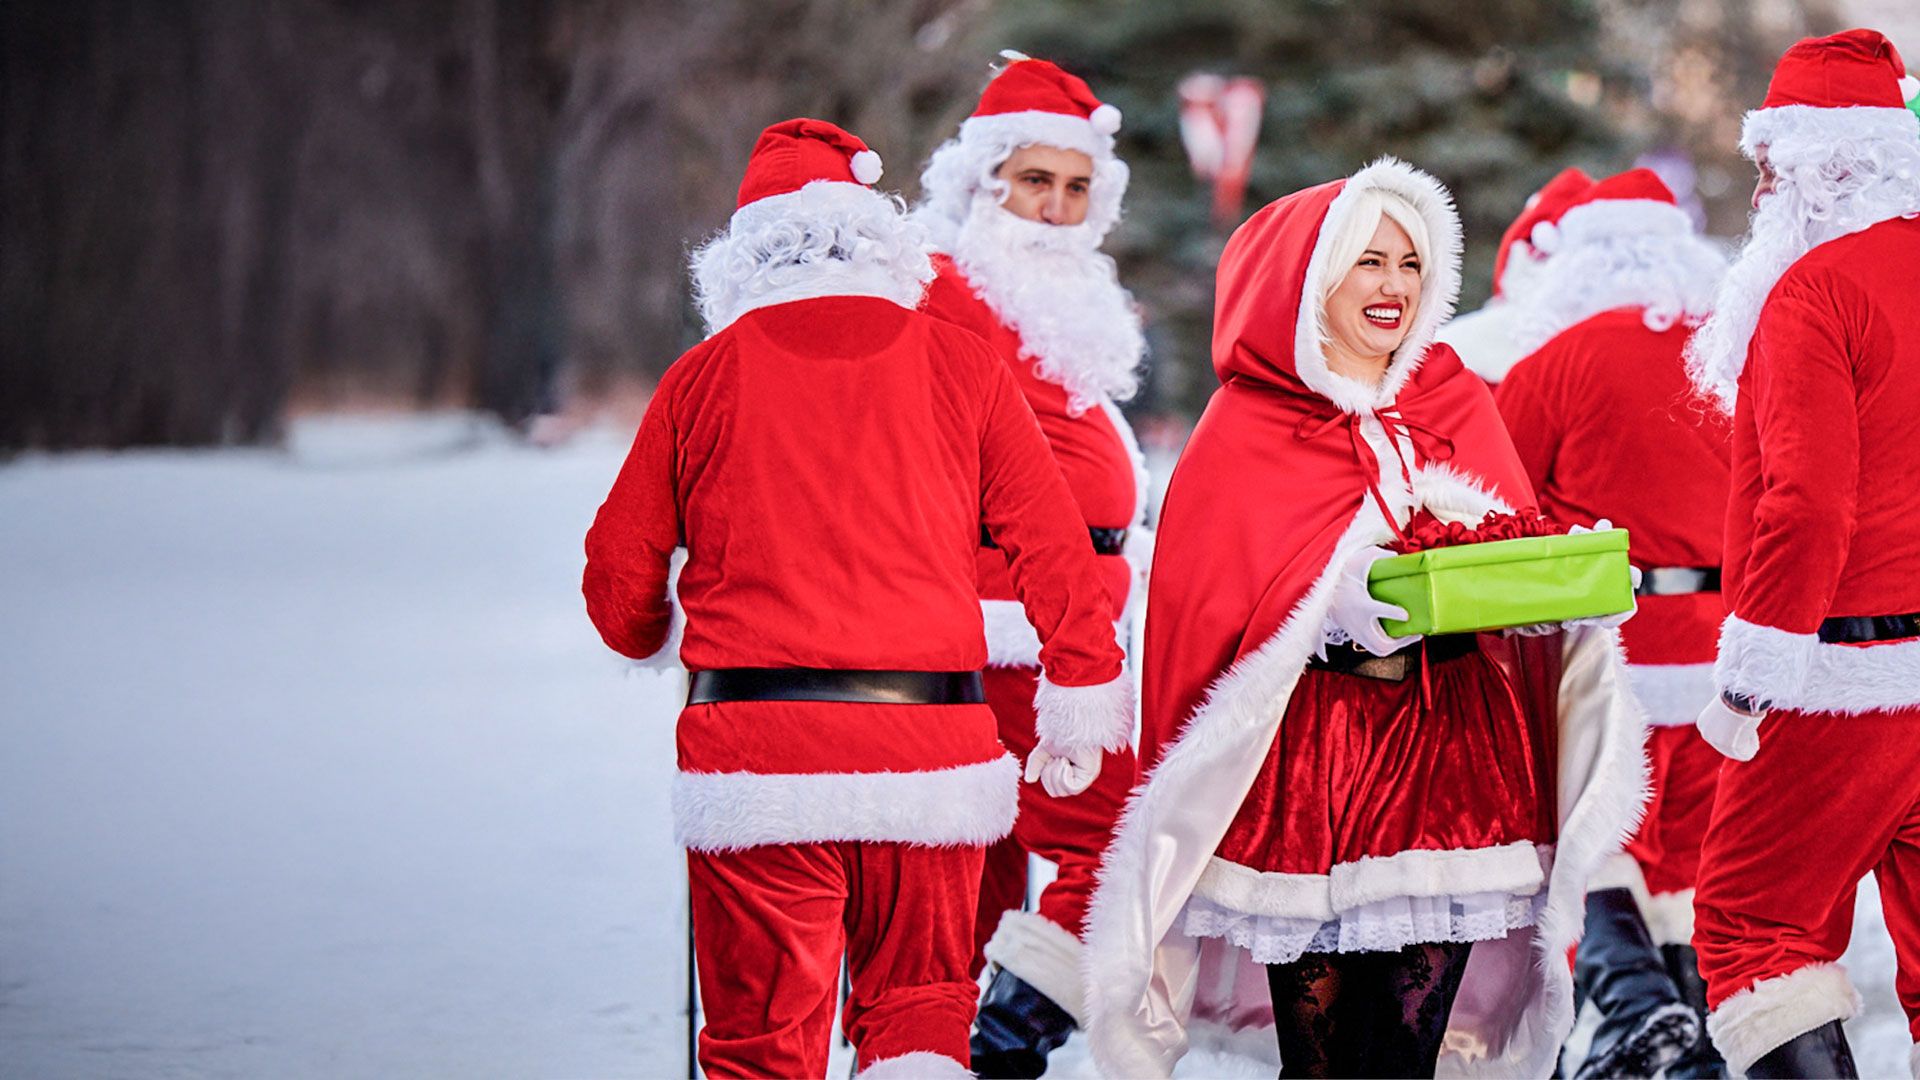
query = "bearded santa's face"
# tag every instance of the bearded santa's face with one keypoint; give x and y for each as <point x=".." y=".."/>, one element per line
<point x="1047" y="184"/>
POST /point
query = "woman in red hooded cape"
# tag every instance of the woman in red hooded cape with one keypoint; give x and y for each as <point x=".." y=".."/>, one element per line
<point x="1475" y="823"/>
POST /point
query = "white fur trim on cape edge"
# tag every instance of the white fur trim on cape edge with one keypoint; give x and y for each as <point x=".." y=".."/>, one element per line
<point x="1042" y="954"/>
<point x="1509" y="868"/>
<point x="1671" y="694"/>
<point x="1766" y="1015"/>
<point x="919" y="1065"/>
<point x="1437" y="293"/>
<point x="1452" y="494"/>
<point x="964" y="805"/>
<point x="1073" y="717"/>
<point x="1815" y="125"/>
<point x="1801" y="672"/>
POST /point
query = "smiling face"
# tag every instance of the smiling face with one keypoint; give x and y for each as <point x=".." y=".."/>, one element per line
<point x="1370" y="312"/>
<point x="1047" y="184"/>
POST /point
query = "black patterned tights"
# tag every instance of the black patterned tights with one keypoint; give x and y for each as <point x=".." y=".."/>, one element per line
<point x="1365" y="1013"/>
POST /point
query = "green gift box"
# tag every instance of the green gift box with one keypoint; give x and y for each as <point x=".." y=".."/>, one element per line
<point x="1502" y="583"/>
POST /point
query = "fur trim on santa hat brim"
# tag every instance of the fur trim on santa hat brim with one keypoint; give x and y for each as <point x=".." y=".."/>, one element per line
<point x="1437" y="293"/>
<point x="919" y="1065"/>
<point x="1615" y="217"/>
<point x="1801" y="672"/>
<point x="1041" y="953"/>
<point x="816" y="198"/>
<point x="1785" y="128"/>
<point x="1036" y="128"/>
<point x="1069" y="718"/>
<point x="1773" y="1011"/>
<point x="964" y="805"/>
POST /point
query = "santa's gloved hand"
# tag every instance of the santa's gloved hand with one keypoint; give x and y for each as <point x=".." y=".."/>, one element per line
<point x="1064" y="774"/>
<point x="1356" y="612"/>
<point x="1732" y="730"/>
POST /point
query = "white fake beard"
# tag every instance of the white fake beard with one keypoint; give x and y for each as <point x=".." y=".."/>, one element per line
<point x="1061" y="294"/>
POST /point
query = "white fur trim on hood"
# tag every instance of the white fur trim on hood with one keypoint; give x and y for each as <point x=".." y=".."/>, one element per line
<point x="1069" y="718"/>
<point x="1801" y="672"/>
<point x="1438" y="291"/>
<point x="967" y="804"/>
<point x="1766" y="1015"/>
<point x="1042" y="954"/>
<point x="919" y="1065"/>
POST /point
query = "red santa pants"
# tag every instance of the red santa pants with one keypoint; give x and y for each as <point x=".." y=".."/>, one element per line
<point x="1072" y="833"/>
<point x="1685" y="770"/>
<point x="770" y="925"/>
<point x="1827" y="799"/>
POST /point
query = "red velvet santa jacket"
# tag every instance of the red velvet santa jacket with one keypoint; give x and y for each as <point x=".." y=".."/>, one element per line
<point x="828" y="464"/>
<point x="1607" y="424"/>
<point x="1095" y="450"/>
<point x="1825" y="513"/>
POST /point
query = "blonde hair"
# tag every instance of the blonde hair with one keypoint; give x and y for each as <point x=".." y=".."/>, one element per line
<point x="1354" y="231"/>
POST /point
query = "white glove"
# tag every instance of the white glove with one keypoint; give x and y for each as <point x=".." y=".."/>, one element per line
<point x="1734" y="733"/>
<point x="1358" y="614"/>
<point x="1065" y="774"/>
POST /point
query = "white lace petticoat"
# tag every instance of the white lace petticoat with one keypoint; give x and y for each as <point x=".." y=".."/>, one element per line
<point x="1382" y="926"/>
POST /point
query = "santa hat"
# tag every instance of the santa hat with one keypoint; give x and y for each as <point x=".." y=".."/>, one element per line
<point x="1544" y="205"/>
<point x="1028" y="103"/>
<point x="1848" y="86"/>
<point x="1634" y="202"/>
<point x="800" y="165"/>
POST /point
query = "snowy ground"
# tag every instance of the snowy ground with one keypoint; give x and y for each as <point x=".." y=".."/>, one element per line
<point x="313" y="767"/>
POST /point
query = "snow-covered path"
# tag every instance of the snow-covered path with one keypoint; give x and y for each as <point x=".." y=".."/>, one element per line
<point x="311" y="766"/>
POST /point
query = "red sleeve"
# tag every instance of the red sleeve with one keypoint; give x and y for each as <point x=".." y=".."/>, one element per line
<point x="1533" y="415"/>
<point x="1806" y="420"/>
<point x="632" y="540"/>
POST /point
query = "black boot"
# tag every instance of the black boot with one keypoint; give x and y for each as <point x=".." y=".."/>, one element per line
<point x="1705" y="1061"/>
<point x="1822" y="1052"/>
<point x="1017" y="1027"/>
<point x="1644" y="1024"/>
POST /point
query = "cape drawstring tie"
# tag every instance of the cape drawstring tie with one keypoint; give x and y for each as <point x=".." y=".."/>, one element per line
<point x="1438" y="448"/>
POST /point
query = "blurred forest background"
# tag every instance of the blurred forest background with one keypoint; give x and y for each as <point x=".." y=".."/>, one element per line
<point x="216" y="214"/>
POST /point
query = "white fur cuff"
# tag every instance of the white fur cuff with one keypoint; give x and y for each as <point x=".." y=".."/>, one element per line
<point x="1069" y="718"/>
<point x="1800" y="672"/>
<point x="919" y="1065"/>
<point x="1043" y="954"/>
<point x="1771" y="1012"/>
<point x="1766" y="664"/>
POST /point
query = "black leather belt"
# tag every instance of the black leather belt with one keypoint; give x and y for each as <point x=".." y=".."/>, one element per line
<point x="821" y="684"/>
<point x="1678" y="580"/>
<point x="1862" y="629"/>
<point x="1105" y="541"/>
<point x="1350" y="659"/>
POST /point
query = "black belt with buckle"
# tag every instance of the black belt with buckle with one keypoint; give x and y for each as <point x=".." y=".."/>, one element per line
<point x="1105" y="541"/>
<point x="1866" y="629"/>
<point x="1351" y="659"/>
<point x="824" y="684"/>
<point x="1677" y="580"/>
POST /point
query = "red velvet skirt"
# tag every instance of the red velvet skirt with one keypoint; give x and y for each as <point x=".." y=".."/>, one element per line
<point x="1369" y="767"/>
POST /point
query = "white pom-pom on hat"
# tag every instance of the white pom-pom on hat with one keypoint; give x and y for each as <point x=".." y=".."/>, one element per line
<point x="866" y="167"/>
<point x="1909" y="88"/>
<point x="1545" y="237"/>
<point x="1105" y="119"/>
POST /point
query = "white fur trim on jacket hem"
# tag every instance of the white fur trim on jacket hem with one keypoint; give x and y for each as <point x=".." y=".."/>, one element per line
<point x="964" y="805"/>
<point x="919" y="1065"/>
<point x="1074" y="717"/>
<point x="1011" y="639"/>
<point x="1669" y="916"/>
<point x="1437" y="293"/>
<point x="1800" y="672"/>
<point x="667" y="656"/>
<point x="1509" y="868"/>
<point x="1672" y="694"/>
<point x="1042" y="954"/>
<point x="1913" y="1061"/>
<point x="1767" y="1014"/>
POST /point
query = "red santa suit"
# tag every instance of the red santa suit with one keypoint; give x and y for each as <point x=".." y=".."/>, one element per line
<point x="1485" y="338"/>
<point x="828" y="458"/>
<point x="1602" y="415"/>
<point x="1220" y="857"/>
<point x="1815" y="341"/>
<point x="1051" y="306"/>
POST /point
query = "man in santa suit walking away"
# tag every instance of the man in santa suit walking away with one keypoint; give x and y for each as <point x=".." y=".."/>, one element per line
<point x="828" y="458"/>
<point x="1601" y="412"/>
<point x="1017" y="205"/>
<point x="1814" y="345"/>
<point x="1485" y="338"/>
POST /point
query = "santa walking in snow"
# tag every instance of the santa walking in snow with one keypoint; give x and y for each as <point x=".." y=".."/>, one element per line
<point x="828" y="458"/>
<point x="1018" y="204"/>
<point x="1814" y="345"/>
<point x="1602" y="415"/>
